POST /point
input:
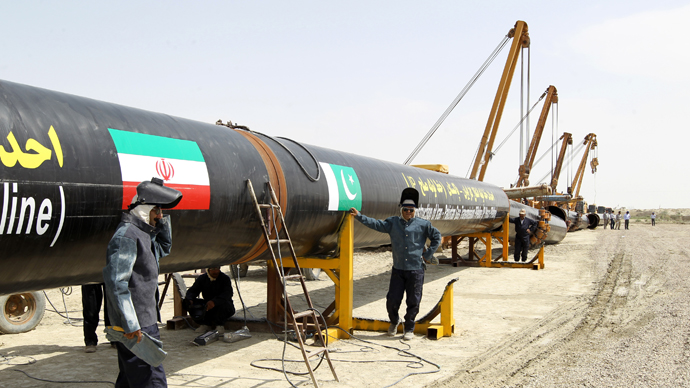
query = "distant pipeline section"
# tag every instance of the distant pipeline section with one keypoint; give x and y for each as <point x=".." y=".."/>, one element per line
<point x="70" y="165"/>
<point x="574" y="220"/>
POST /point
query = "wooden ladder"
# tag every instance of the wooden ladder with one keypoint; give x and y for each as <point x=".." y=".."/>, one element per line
<point x="299" y="320"/>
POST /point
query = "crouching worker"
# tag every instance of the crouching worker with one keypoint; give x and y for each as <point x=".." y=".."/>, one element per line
<point x="216" y="307"/>
<point x="408" y="235"/>
<point x="142" y="238"/>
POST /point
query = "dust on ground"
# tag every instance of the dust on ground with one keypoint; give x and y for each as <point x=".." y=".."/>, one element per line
<point x="610" y="309"/>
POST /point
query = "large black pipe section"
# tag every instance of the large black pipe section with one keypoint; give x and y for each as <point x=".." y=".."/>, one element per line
<point x="69" y="166"/>
<point x="575" y="220"/>
<point x="592" y="220"/>
<point x="571" y="218"/>
<point x="557" y="225"/>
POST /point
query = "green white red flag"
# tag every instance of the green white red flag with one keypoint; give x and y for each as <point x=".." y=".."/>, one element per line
<point x="179" y="163"/>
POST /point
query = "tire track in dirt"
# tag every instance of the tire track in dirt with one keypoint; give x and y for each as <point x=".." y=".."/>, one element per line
<point x="557" y="333"/>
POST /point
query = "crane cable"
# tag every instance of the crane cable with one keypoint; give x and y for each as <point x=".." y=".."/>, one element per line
<point x="457" y="99"/>
<point x="511" y="132"/>
<point x="567" y="163"/>
<point x="554" y="124"/>
<point x="524" y="117"/>
<point x="518" y="125"/>
<point x="542" y="157"/>
<point x="554" y="131"/>
<point x="594" y="155"/>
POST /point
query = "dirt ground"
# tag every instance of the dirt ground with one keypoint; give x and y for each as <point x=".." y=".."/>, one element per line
<point x="609" y="310"/>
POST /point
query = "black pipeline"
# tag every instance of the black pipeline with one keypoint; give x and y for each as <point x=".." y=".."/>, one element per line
<point x="69" y="166"/>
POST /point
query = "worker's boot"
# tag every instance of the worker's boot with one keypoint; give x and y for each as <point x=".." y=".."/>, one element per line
<point x="393" y="328"/>
<point x="202" y="329"/>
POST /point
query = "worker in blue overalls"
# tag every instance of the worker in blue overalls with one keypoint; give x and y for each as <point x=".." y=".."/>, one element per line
<point x="524" y="228"/>
<point x="408" y="236"/>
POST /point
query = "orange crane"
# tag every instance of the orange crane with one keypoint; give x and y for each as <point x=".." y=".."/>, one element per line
<point x="590" y="143"/>
<point x="567" y="140"/>
<point x="524" y="169"/>
<point x="520" y="40"/>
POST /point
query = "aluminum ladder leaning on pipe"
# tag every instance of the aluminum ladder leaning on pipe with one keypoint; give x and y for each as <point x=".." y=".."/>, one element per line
<point x="293" y="317"/>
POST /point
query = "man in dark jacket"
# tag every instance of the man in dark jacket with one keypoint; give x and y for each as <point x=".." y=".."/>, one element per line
<point x="131" y="278"/>
<point x="524" y="227"/>
<point x="408" y="235"/>
<point x="217" y="306"/>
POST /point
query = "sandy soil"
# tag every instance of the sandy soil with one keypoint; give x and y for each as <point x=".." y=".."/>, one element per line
<point x="609" y="310"/>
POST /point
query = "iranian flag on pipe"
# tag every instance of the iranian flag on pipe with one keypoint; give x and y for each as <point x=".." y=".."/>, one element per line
<point x="179" y="163"/>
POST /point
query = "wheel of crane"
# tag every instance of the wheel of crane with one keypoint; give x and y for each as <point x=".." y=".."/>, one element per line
<point x="21" y="312"/>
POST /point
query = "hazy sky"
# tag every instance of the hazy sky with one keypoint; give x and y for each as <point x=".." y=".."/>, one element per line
<point x="372" y="77"/>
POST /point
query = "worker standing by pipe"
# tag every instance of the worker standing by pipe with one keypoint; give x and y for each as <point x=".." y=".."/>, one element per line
<point x="524" y="227"/>
<point x="131" y="279"/>
<point x="408" y="235"/>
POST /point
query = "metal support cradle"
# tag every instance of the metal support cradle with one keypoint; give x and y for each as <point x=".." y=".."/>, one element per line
<point x="475" y="259"/>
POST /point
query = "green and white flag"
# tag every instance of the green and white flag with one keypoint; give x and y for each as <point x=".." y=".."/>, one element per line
<point x="344" y="190"/>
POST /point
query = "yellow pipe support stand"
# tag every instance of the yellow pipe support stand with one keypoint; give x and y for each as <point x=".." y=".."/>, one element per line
<point x="423" y="325"/>
<point x="340" y="270"/>
<point x="487" y="260"/>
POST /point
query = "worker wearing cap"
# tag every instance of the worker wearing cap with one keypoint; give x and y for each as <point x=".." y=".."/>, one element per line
<point x="524" y="227"/>
<point x="131" y="283"/>
<point x="216" y="289"/>
<point x="408" y="235"/>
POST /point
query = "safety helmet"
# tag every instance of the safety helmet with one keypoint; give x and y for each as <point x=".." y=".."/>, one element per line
<point x="409" y="194"/>
<point x="154" y="193"/>
<point x="196" y="309"/>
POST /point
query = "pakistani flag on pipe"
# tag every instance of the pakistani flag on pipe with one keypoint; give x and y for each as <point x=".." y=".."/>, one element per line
<point x="344" y="190"/>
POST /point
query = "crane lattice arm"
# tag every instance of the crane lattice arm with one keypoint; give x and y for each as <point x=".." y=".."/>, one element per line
<point x="590" y="143"/>
<point x="520" y="39"/>
<point x="567" y="139"/>
<point x="526" y="167"/>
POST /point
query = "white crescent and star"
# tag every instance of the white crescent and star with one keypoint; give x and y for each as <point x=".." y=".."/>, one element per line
<point x="350" y="196"/>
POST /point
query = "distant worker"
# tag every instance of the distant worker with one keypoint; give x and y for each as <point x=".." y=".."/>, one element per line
<point x="613" y="219"/>
<point x="524" y="228"/>
<point x="627" y="219"/>
<point x="131" y="284"/>
<point x="606" y="219"/>
<point x="91" y="300"/>
<point x="216" y="307"/>
<point x="653" y="219"/>
<point x="619" y="220"/>
<point x="408" y="235"/>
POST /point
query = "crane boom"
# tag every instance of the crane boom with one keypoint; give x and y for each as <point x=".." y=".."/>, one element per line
<point x="567" y="139"/>
<point x="524" y="170"/>
<point x="590" y="143"/>
<point x="520" y="39"/>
